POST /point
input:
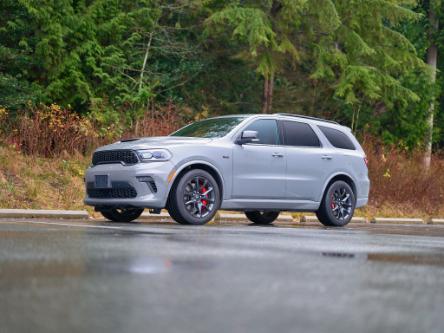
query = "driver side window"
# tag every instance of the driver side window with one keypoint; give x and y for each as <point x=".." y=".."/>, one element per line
<point x="267" y="131"/>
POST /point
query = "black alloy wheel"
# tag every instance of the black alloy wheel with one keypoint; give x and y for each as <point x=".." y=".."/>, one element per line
<point x="338" y="205"/>
<point x="195" y="198"/>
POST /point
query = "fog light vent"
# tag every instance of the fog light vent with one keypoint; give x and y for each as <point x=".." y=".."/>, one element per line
<point x="149" y="181"/>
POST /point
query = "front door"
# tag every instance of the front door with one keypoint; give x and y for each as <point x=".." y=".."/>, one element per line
<point x="259" y="168"/>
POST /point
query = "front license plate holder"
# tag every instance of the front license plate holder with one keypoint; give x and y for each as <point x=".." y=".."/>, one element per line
<point x="101" y="181"/>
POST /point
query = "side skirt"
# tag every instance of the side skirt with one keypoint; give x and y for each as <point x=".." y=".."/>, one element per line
<point x="267" y="204"/>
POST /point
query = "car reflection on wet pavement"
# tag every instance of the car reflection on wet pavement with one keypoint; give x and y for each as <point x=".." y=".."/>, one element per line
<point x="82" y="276"/>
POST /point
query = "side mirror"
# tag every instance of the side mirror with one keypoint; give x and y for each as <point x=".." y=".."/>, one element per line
<point x="247" y="137"/>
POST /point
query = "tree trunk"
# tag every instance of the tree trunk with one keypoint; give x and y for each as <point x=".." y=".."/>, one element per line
<point x="145" y="59"/>
<point x="270" y="93"/>
<point x="267" y="97"/>
<point x="432" y="60"/>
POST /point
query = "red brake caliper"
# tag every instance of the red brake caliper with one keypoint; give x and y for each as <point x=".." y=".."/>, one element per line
<point x="204" y="202"/>
<point x="332" y="202"/>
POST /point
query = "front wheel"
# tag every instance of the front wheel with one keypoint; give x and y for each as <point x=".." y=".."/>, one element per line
<point x="195" y="198"/>
<point x="122" y="214"/>
<point x="258" y="217"/>
<point x="338" y="205"/>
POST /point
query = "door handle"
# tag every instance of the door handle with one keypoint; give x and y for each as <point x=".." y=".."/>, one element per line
<point x="327" y="157"/>
<point x="277" y="155"/>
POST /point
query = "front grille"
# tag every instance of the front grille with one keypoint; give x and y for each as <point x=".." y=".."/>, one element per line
<point x="119" y="190"/>
<point x="115" y="156"/>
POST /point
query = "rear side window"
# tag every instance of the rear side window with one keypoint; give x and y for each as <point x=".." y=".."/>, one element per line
<point x="267" y="131"/>
<point x="337" y="138"/>
<point x="299" y="134"/>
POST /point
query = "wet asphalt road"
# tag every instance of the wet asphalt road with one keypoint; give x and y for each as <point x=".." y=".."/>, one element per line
<point x="96" y="277"/>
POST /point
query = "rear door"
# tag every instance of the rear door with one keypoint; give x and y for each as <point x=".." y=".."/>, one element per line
<point x="259" y="168"/>
<point x="308" y="163"/>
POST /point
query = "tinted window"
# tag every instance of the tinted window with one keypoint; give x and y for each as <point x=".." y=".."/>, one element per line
<point x="210" y="128"/>
<point x="267" y="131"/>
<point x="299" y="134"/>
<point x="337" y="138"/>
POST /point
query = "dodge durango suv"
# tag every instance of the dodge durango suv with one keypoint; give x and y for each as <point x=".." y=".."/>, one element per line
<point x="259" y="164"/>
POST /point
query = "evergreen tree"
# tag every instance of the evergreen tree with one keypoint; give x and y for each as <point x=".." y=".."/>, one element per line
<point x="351" y="45"/>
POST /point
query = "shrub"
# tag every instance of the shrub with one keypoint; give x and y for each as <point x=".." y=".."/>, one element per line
<point x="156" y="122"/>
<point x="50" y="130"/>
<point x="399" y="184"/>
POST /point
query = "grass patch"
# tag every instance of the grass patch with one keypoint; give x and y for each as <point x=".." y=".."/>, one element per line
<point x="43" y="183"/>
<point x="27" y="181"/>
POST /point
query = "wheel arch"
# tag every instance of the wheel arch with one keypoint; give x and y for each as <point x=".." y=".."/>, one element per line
<point x="344" y="177"/>
<point x="210" y="168"/>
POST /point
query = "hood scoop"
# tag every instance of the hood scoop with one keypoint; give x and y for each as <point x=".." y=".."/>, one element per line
<point x="130" y="140"/>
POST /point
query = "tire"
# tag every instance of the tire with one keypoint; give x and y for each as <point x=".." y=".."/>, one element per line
<point x="122" y="215"/>
<point x="194" y="205"/>
<point x="263" y="218"/>
<point x="338" y="205"/>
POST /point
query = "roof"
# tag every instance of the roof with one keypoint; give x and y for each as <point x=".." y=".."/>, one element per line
<point x="280" y="114"/>
<point x="307" y="117"/>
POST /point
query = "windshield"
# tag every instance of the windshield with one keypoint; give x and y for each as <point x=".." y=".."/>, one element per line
<point x="210" y="128"/>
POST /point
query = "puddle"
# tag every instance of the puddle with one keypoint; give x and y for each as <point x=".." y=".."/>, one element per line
<point x="20" y="270"/>
<point x="394" y="258"/>
<point x="34" y="269"/>
<point x="411" y="259"/>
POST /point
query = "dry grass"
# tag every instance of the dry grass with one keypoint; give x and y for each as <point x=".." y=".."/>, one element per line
<point x="399" y="185"/>
<point x="43" y="160"/>
<point x="41" y="183"/>
<point x="50" y="130"/>
<point x="162" y="121"/>
<point x="45" y="154"/>
<point x="399" y="188"/>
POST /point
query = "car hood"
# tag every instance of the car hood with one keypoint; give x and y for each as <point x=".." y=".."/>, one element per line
<point x="154" y="142"/>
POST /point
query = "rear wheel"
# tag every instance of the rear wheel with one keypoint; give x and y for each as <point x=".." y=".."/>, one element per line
<point x="122" y="214"/>
<point x="195" y="198"/>
<point x="259" y="217"/>
<point x="338" y="205"/>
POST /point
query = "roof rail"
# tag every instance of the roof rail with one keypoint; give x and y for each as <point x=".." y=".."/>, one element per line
<point x="307" y="117"/>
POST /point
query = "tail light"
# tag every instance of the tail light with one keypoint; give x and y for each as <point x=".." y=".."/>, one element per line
<point x="366" y="160"/>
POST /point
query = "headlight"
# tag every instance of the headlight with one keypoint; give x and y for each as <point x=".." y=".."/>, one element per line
<point x="153" y="155"/>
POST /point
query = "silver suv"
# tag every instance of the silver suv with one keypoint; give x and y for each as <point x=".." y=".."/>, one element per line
<point x="258" y="164"/>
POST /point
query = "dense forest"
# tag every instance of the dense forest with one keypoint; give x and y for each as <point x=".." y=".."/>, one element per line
<point x="373" y="65"/>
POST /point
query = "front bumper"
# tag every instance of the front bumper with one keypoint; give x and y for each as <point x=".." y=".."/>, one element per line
<point x="146" y="197"/>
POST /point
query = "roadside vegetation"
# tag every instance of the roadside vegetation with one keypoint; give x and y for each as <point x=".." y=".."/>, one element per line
<point x="30" y="180"/>
<point x="78" y="74"/>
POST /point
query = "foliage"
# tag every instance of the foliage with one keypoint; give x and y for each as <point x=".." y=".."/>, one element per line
<point x="115" y="61"/>
<point x="50" y="131"/>
<point x="398" y="184"/>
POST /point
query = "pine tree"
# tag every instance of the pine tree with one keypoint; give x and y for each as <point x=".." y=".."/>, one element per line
<point x="351" y="45"/>
<point x="267" y="29"/>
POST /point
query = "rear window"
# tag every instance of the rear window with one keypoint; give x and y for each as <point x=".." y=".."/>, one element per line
<point x="337" y="138"/>
<point x="299" y="134"/>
